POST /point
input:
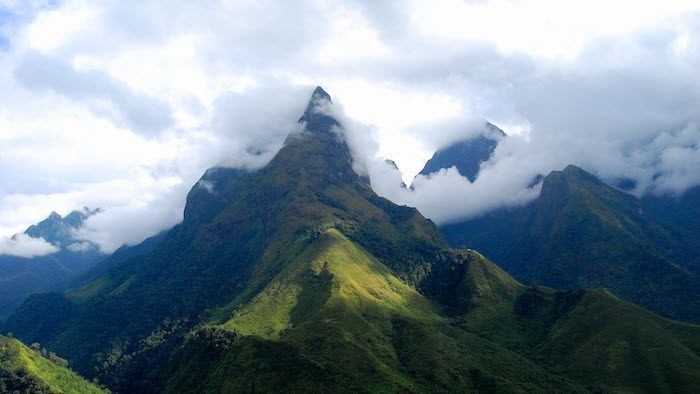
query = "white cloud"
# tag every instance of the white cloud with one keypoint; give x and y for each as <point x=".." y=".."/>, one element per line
<point x="79" y="246"/>
<point x="124" y="107"/>
<point x="22" y="245"/>
<point x="104" y="95"/>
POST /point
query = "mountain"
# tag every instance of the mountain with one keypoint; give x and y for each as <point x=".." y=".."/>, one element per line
<point x="23" y="370"/>
<point x="466" y="155"/>
<point x="298" y="277"/>
<point x="582" y="233"/>
<point x="20" y="276"/>
<point x="590" y="335"/>
<point x="679" y="215"/>
<point x="58" y="231"/>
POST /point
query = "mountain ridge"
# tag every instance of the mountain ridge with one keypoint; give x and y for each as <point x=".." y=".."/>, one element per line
<point x="581" y="232"/>
<point x="22" y="276"/>
<point x="298" y="277"/>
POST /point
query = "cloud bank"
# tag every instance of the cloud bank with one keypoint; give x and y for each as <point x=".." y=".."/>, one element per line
<point x="124" y="108"/>
<point x="22" y="245"/>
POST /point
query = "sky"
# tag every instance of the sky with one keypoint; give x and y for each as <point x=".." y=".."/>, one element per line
<point x="122" y="105"/>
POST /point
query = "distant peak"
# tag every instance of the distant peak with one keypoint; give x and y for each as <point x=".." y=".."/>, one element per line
<point x="572" y="169"/>
<point x="318" y="98"/>
<point x="320" y="94"/>
<point x="55" y="216"/>
<point x="570" y="175"/>
<point x="315" y="117"/>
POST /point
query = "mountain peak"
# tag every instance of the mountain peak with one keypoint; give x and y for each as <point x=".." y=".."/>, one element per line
<point x="316" y="117"/>
<point x="320" y="94"/>
<point x="574" y="174"/>
<point x="467" y="154"/>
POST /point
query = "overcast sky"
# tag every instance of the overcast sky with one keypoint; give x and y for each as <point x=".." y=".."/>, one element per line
<point x="123" y="104"/>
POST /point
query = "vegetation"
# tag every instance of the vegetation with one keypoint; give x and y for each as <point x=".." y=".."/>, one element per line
<point x="583" y="233"/>
<point x="24" y="370"/>
<point x="297" y="277"/>
<point x="588" y="335"/>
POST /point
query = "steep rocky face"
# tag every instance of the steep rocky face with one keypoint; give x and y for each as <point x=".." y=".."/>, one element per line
<point x="466" y="155"/>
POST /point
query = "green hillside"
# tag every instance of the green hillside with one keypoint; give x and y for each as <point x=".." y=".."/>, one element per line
<point x="296" y="277"/>
<point x="583" y="233"/>
<point x="25" y="370"/>
<point x="589" y="335"/>
<point x="340" y="316"/>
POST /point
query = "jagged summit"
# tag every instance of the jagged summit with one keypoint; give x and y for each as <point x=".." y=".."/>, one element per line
<point x="466" y="155"/>
<point x="320" y="94"/>
<point x="58" y="230"/>
<point x="316" y="117"/>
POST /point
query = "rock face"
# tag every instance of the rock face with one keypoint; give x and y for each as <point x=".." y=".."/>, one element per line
<point x="466" y="155"/>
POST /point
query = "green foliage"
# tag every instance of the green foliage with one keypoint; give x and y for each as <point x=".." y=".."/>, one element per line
<point x="582" y="233"/>
<point x="297" y="277"/>
<point x="337" y="319"/>
<point x="24" y="370"/>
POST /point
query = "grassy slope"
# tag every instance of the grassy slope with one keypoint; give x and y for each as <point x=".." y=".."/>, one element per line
<point x="46" y="376"/>
<point x="587" y="334"/>
<point x="345" y="320"/>
<point x="290" y="278"/>
<point x="234" y="240"/>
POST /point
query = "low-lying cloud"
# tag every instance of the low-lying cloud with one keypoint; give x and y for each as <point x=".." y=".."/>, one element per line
<point x="22" y="245"/>
<point x="251" y="125"/>
<point x="645" y="163"/>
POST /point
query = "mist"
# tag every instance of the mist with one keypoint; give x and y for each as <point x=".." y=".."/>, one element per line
<point x="22" y="245"/>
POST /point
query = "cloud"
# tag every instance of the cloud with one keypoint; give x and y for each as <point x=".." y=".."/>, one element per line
<point x="104" y="95"/>
<point x="79" y="246"/>
<point x="124" y="109"/>
<point x="154" y="205"/>
<point x="22" y="245"/>
<point x="251" y="125"/>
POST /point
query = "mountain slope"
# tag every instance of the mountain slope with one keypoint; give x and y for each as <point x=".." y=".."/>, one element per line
<point x="24" y="370"/>
<point x="20" y="277"/>
<point x="591" y="335"/>
<point x="346" y="321"/>
<point x="581" y="232"/>
<point x="680" y="217"/>
<point x="466" y="155"/>
<point x="295" y="277"/>
<point x="234" y="239"/>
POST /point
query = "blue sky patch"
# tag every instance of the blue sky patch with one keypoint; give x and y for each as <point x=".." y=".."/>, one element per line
<point x="5" y="16"/>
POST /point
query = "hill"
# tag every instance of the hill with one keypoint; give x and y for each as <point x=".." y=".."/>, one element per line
<point x="583" y="233"/>
<point x="25" y="370"/>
